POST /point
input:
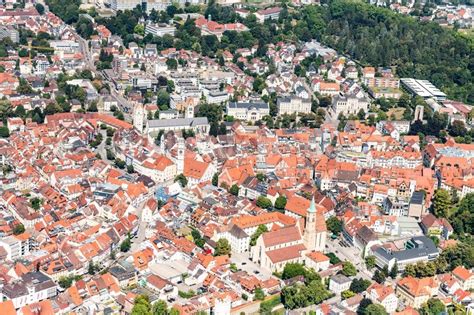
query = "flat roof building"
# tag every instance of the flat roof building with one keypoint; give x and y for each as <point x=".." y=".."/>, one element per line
<point x="411" y="251"/>
<point x="159" y="29"/>
<point x="423" y="88"/>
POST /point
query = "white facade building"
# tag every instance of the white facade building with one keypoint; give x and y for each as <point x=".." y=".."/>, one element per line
<point x="384" y="296"/>
<point x="31" y="288"/>
<point x="339" y="283"/>
<point x="159" y="29"/>
<point x="293" y="105"/>
<point x="347" y="105"/>
<point x="248" y="111"/>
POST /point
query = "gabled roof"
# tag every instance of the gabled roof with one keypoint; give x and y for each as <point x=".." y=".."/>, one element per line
<point x="281" y="236"/>
<point x="7" y="308"/>
<point x="286" y="253"/>
<point x="462" y="273"/>
<point x="194" y="169"/>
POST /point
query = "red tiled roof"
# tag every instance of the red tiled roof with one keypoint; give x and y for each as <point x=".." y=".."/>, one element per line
<point x="286" y="253"/>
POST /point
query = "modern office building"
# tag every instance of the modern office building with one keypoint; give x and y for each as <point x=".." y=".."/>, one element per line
<point x="405" y="252"/>
<point x="159" y="29"/>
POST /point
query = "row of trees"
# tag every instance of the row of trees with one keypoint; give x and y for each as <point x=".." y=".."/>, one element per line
<point x="142" y="306"/>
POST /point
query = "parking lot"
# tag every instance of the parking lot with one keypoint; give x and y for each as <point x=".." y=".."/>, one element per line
<point x="346" y="252"/>
<point x="242" y="262"/>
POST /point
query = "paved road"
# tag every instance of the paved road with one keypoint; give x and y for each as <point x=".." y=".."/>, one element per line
<point x="124" y="105"/>
<point x="142" y="225"/>
<point x="84" y="47"/>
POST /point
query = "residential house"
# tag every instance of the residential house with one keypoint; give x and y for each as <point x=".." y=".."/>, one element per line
<point x="198" y="172"/>
<point x="433" y="226"/>
<point x="383" y="295"/>
<point x="415" y="292"/>
<point x="465" y="277"/>
<point x="326" y="88"/>
<point x="339" y="283"/>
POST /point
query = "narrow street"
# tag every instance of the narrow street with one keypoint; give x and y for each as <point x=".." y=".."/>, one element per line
<point x="141" y="234"/>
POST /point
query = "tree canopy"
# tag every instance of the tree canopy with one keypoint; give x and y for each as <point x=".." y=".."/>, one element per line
<point x="302" y="295"/>
<point x="264" y="202"/>
<point x="463" y="220"/>
<point x="222" y="247"/>
<point x="441" y="203"/>
<point x="18" y="229"/>
<point x="375" y="309"/>
<point x="433" y="307"/>
<point x="183" y="181"/>
<point x="280" y="202"/>
<point x="359" y="285"/>
<point x="348" y="269"/>
<point x="334" y="225"/>
<point x="260" y="230"/>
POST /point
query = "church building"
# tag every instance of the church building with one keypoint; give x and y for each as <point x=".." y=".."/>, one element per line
<point x="291" y="244"/>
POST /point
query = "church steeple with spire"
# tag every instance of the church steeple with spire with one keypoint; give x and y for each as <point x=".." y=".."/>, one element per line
<point x="310" y="227"/>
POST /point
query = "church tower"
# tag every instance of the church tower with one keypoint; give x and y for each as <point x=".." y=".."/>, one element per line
<point x="180" y="156"/>
<point x="310" y="227"/>
<point x="162" y="143"/>
<point x="138" y="115"/>
<point x="189" y="112"/>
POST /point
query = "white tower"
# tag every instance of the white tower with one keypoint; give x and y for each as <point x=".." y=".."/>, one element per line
<point x="162" y="143"/>
<point x="310" y="227"/>
<point x="189" y="113"/>
<point x="419" y="109"/>
<point x="138" y="116"/>
<point x="180" y="156"/>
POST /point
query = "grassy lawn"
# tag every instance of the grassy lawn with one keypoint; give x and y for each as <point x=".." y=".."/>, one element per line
<point x="398" y="112"/>
<point x="468" y="33"/>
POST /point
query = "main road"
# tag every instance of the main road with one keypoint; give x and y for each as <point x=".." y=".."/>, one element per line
<point x="124" y="105"/>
